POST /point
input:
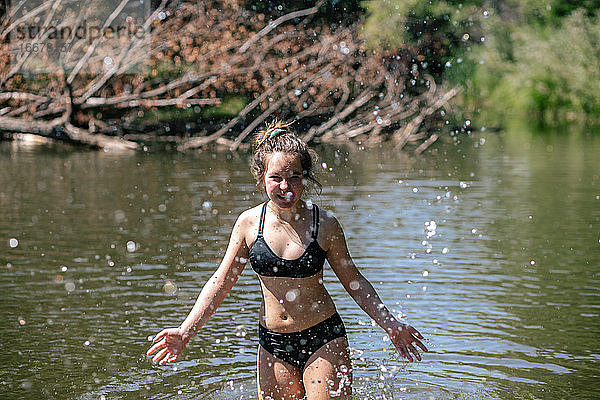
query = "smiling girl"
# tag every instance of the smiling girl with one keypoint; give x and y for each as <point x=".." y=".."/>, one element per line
<point x="303" y="348"/>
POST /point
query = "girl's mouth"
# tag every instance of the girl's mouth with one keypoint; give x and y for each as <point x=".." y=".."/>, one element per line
<point x="287" y="196"/>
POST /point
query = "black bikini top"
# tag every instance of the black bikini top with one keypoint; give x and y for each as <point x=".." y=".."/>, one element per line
<point x="266" y="263"/>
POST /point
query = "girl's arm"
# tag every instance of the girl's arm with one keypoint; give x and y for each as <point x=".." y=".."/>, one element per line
<point x="403" y="336"/>
<point x="170" y="342"/>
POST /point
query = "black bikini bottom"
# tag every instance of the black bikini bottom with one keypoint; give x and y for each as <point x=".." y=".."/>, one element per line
<point x="297" y="347"/>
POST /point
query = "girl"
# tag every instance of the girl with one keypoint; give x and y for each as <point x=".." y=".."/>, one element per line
<point x="303" y="349"/>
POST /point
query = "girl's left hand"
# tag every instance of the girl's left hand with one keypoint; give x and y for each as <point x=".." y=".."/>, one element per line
<point x="405" y="337"/>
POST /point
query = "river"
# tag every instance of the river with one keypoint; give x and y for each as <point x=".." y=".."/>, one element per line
<point x="489" y="245"/>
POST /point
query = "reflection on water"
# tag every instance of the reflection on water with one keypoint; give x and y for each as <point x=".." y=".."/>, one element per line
<point x="492" y="251"/>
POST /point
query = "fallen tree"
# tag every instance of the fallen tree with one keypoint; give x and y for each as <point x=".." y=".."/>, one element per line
<point x="201" y="54"/>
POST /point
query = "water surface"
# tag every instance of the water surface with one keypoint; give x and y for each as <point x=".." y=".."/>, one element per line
<point x="490" y="247"/>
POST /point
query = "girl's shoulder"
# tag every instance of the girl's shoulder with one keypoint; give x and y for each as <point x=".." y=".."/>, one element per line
<point x="329" y="226"/>
<point x="246" y="225"/>
<point x="251" y="215"/>
<point x="248" y="220"/>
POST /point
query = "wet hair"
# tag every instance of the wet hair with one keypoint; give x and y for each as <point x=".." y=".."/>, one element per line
<point x="279" y="137"/>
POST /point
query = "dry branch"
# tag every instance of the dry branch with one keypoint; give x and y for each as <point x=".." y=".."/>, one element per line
<point x="320" y="76"/>
<point x="59" y="130"/>
<point x="272" y="25"/>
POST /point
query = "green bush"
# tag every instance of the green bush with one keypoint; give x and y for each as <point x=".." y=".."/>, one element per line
<point x="441" y="33"/>
<point x="548" y="71"/>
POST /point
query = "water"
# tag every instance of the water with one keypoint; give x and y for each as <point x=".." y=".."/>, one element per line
<point x="100" y="251"/>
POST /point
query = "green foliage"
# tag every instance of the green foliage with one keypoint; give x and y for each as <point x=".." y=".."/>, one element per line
<point x="441" y="31"/>
<point x="551" y="12"/>
<point x="230" y="107"/>
<point x="539" y="58"/>
<point x="549" y="72"/>
<point x="163" y="115"/>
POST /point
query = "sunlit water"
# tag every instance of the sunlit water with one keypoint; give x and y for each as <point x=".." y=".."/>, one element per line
<point x="490" y="249"/>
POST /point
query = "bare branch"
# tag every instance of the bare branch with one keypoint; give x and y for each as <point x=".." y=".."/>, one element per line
<point x="274" y="24"/>
<point x="92" y="48"/>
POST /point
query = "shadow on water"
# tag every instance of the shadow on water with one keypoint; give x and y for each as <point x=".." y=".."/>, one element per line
<point x="490" y="247"/>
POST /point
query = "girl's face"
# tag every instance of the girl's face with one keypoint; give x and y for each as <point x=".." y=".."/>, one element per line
<point x="284" y="179"/>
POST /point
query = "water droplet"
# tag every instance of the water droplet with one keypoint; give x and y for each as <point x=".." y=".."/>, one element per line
<point x="445" y="250"/>
<point x="465" y="37"/>
<point x="431" y="226"/>
<point x="291" y="295"/>
<point x="12" y="242"/>
<point x="324" y="165"/>
<point x="63" y="268"/>
<point x="169" y="287"/>
<point x="207" y="205"/>
<point x="240" y="331"/>
<point x="131" y="246"/>
<point x="69" y="286"/>
<point x="86" y="343"/>
<point x="532" y="262"/>
<point x="425" y="273"/>
<point x="22" y="321"/>
<point x="474" y="231"/>
<point x="354" y="285"/>
<point x="415" y="190"/>
<point x="162" y="208"/>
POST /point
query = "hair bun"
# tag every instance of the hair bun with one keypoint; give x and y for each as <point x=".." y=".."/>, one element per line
<point x="273" y="129"/>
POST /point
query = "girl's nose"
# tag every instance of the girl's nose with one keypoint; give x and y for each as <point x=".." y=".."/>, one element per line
<point x="283" y="185"/>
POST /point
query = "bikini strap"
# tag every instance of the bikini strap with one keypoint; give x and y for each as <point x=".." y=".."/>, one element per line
<point x="261" y="224"/>
<point x="315" y="226"/>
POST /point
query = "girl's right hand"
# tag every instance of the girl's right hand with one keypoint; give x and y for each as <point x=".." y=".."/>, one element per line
<point x="169" y="343"/>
